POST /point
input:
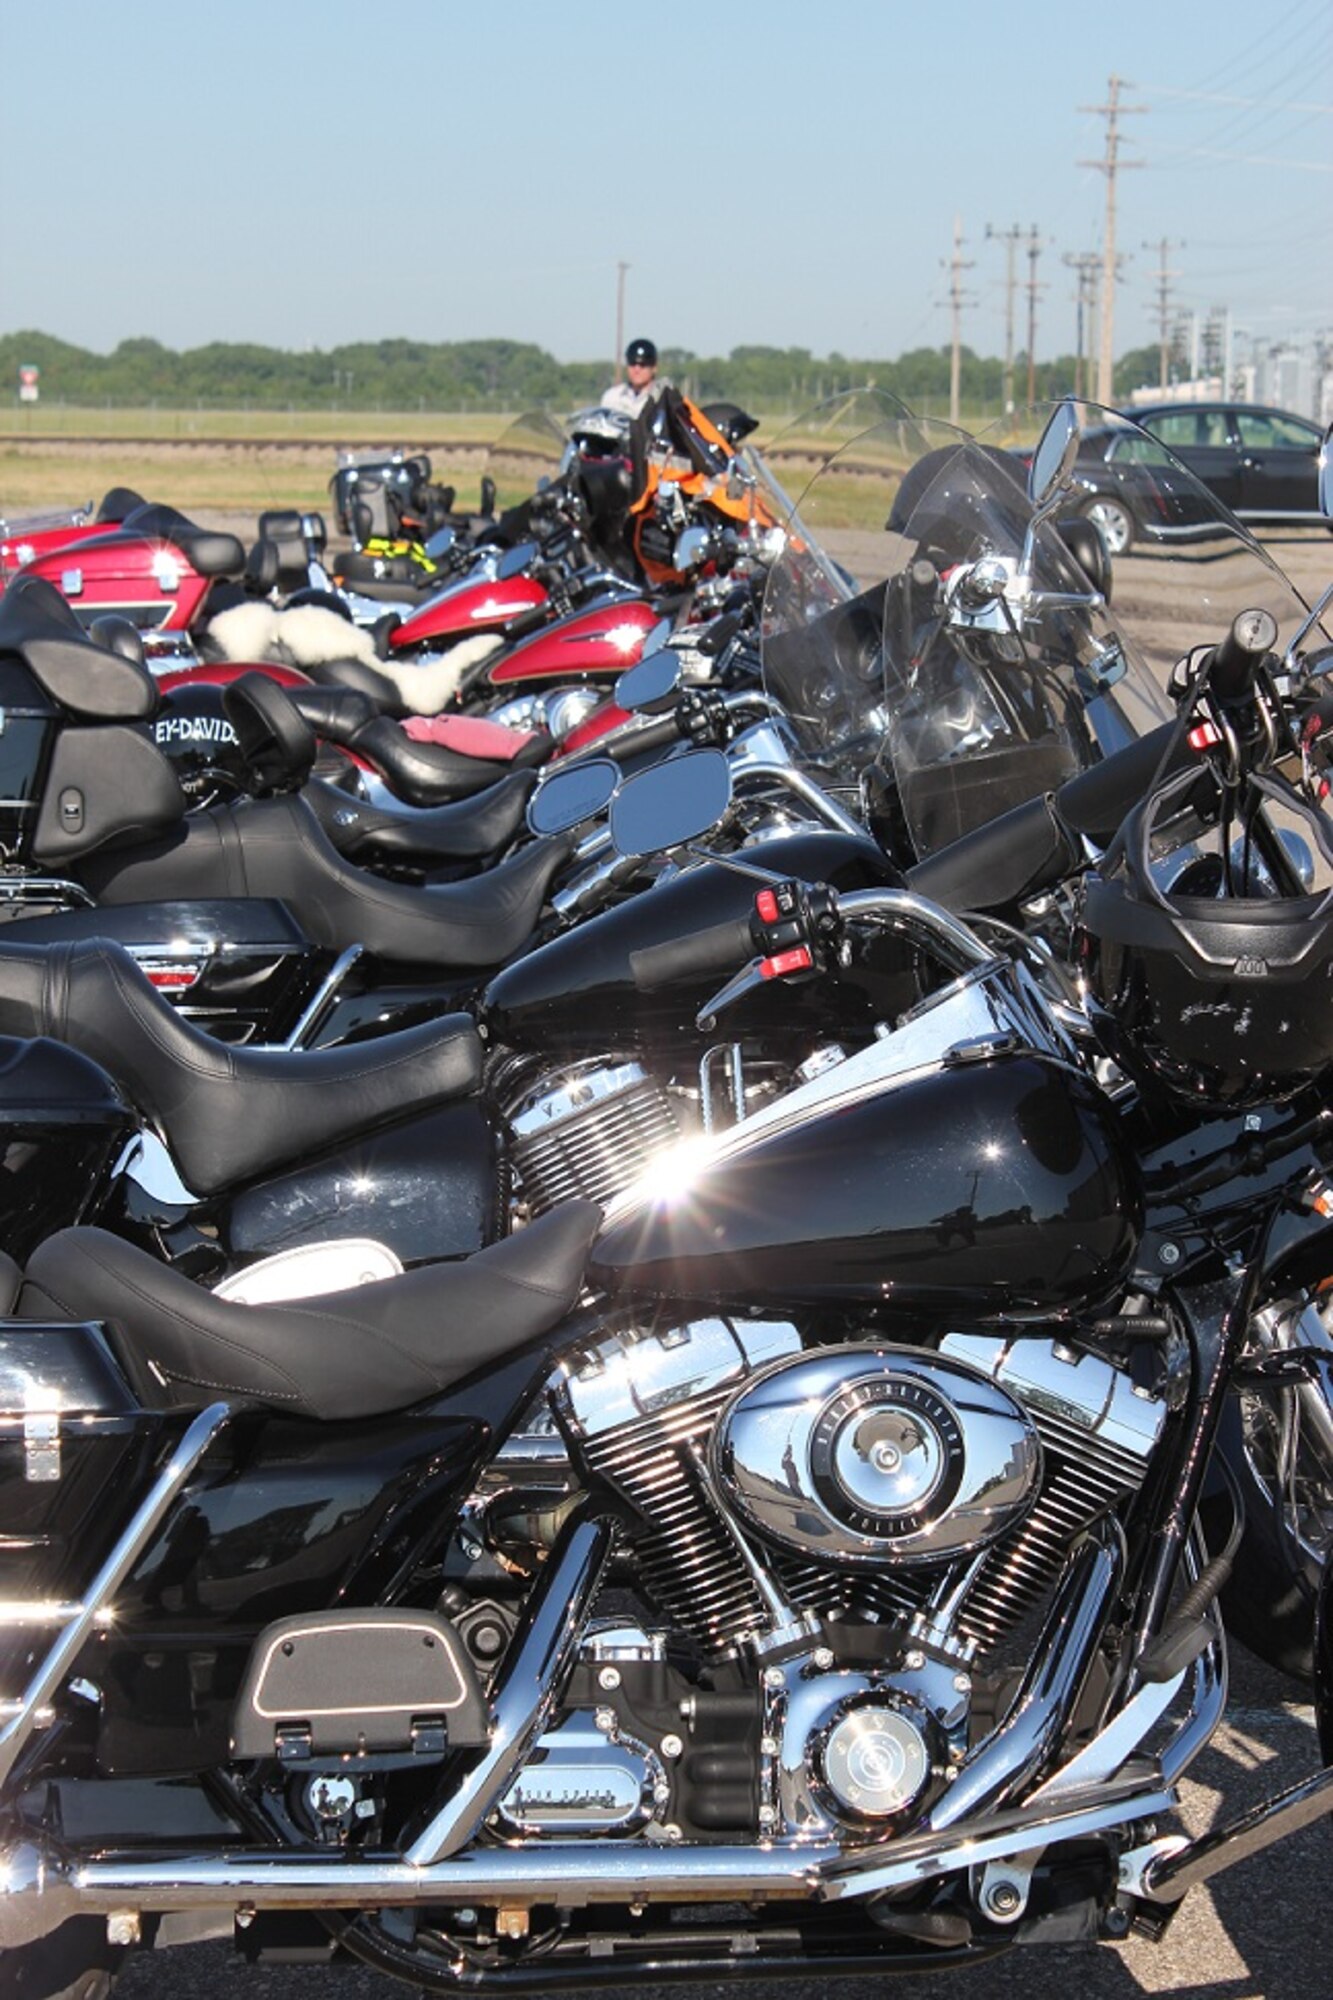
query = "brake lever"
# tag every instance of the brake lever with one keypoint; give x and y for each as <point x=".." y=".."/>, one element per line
<point x="736" y="988"/>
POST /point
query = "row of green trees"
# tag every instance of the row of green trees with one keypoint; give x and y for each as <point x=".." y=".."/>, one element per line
<point x="500" y="374"/>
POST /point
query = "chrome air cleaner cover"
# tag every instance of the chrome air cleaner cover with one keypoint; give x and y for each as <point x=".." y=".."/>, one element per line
<point x="877" y="1454"/>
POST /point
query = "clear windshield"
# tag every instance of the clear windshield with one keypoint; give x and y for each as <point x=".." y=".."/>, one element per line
<point x="526" y="456"/>
<point x="822" y="623"/>
<point x="1006" y="670"/>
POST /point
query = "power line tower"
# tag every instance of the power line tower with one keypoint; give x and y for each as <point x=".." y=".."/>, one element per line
<point x="1110" y="164"/>
<point x="957" y="299"/>
<point x="1163" y="247"/>
<point x="621" y="269"/>
<point x="1010" y="238"/>
<point x="1087" y="266"/>
<point x="1035" y="247"/>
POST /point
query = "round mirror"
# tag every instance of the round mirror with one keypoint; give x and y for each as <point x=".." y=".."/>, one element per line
<point x="1326" y="474"/>
<point x="573" y="794"/>
<point x="650" y="686"/>
<point x="1053" y="460"/>
<point x="514" y="561"/>
<point x="440" y="543"/>
<point x="670" y="803"/>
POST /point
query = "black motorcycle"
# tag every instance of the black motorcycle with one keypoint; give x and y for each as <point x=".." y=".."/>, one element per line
<point x="801" y="1565"/>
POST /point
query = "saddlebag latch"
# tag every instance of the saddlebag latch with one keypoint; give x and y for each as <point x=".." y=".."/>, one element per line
<point x="41" y="1445"/>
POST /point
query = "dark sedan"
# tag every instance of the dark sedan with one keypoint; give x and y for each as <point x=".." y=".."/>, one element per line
<point x="1263" y="464"/>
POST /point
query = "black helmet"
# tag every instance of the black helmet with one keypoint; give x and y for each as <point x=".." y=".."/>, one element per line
<point x="1220" y="995"/>
<point x="641" y="354"/>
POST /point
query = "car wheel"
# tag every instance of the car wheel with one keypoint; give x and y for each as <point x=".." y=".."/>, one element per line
<point x="1115" y="521"/>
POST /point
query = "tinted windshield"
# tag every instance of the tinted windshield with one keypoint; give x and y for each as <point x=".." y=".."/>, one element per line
<point x="1006" y="672"/>
<point x="1188" y="565"/>
<point x="823" y="609"/>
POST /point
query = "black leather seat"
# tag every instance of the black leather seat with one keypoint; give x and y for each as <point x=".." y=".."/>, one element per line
<point x="358" y="678"/>
<point x="276" y="847"/>
<point x="226" y="1114"/>
<point x="471" y="830"/>
<point x="206" y="550"/>
<point x="117" y="502"/>
<point x="277" y="730"/>
<point x="431" y="774"/>
<point x="82" y="677"/>
<point x="342" y="1356"/>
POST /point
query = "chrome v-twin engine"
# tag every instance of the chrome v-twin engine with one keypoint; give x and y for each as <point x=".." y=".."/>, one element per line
<point x="846" y="1535"/>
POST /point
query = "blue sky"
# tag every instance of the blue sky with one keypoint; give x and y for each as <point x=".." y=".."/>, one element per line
<point x="776" y="173"/>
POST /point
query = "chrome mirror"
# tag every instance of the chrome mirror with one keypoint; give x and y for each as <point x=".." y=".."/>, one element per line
<point x="569" y="796"/>
<point x="514" y="561"/>
<point x="1053" y="460"/>
<point x="1326" y="474"/>
<point x="670" y="804"/>
<point x="651" y="686"/>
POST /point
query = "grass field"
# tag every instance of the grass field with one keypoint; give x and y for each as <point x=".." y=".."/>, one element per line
<point x="238" y="462"/>
<point x="334" y="425"/>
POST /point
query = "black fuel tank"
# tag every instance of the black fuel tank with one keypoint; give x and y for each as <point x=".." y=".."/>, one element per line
<point x="963" y="1189"/>
<point x="577" y="994"/>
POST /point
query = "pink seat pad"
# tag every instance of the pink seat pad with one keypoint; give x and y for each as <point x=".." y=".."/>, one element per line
<point x="469" y="735"/>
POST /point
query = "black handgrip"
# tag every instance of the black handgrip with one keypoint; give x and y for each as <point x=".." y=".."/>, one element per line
<point x="722" y="948"/>
<point x="655" y="736"/>
<point x="721" y="633"/>
<point x="1097" y="800"/>
<point x="1234" y="663"/>
<point x="527" y="621"/>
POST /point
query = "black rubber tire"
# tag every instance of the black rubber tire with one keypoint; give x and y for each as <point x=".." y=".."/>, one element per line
<point x="1268" y="1602"/>
<point x="73" y="1963"/>
<point x="1265" y="1606"/>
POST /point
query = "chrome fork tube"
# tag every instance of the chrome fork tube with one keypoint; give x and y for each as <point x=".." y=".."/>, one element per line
<point x="542" y="1653"/>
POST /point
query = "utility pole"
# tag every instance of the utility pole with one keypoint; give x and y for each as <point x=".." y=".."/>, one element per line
<point x="620" y="320"/>
<point x="1164" y="277"/>
<point x="1009" y="237"/>
<point x="1034" y="251"/>
<point x="957" y="265"/>
<point x="1110" y="164"/>
<point x="1086" y="267"/>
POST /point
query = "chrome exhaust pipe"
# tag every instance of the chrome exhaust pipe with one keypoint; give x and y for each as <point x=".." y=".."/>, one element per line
<point x="39" y="1892"/>
<point x="538" y="1664"/>
<point x="1016" y="1749"/>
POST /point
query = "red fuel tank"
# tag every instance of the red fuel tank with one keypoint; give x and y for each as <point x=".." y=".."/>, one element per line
<point x="602" y="641"/>
<point x="469" y="607"/>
